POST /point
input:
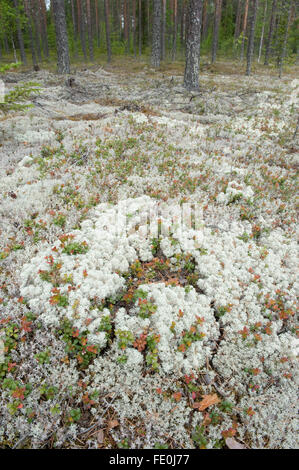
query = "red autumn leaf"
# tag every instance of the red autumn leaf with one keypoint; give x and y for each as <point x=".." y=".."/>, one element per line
<point x="207" y="401"/>
<point x="177" y="396"/>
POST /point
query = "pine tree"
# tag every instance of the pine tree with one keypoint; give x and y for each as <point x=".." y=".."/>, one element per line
<point x="107" y="27"/>
<point x="217" y="19"/>
<point x="270" y="33"/>
<point x="193" y="45"/>
<point x="156" y="40"/>
<point x="250" y="47"/>
<point x="63" y="59"/>
<point x="20" y="32"/>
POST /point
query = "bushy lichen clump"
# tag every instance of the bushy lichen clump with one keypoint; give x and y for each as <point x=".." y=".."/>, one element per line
<point x="174" y="340"/>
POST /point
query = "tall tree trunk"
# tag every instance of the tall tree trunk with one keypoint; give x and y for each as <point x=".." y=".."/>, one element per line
<point x="97" y="22"/>
<point x="89" y="30"/>
<point x="204" y="19"/>
<point x="27" y="6"/>
<point x="20" y="33"/>
<point x="270" y="33"/>
<point x="244" y="29"/>
<point x="81" y="26"/>
<point x="250" y="47"/>
<point x="148" y="20"/>
<point x="126" y="25"/>
<point x="182" y="33"/>
<point x="175" y="29"/>
<point x="134" y="28"/>
<point x="263" y="31"/>
<point x="44" y="33"/>
<point x="107" y="26"/>
<point x="285" y="38"/>
<point x="35" y="11"/>
<point x="217" y="19"/>
<point x="156" y="38"/>
<point x="193" y="45"/>
<point x="63" y="58"/>
<point x="140" y="27"/>
<point x="14" y="49"/>
<point x="238" y="19"/>
<point x="75" y="29"/>
<point x="163" y="29"/>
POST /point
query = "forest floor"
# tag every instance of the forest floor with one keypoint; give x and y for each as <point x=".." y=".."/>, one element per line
<point x="182" y="339"/>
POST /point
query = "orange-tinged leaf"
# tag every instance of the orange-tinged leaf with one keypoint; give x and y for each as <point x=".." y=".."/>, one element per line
<point x="208" y="400"/>
<point x="113" y="424"/>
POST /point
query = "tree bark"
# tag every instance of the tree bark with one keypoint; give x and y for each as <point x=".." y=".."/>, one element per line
<point x="20" y="33"/>
<point x="27" y="6"/>
<point x="250" y="47"/>
<point x="217" y="19"/>
<point x="81" y="27"/>
<point x="175" y="29"/>
<point x="44" y="33"/>
<point x="244" y="29"/>
<point x="285" y="39"/>
<point x="193" y="45"/>
<point x="63" y="58"/>
<point x="74" y="27"/>
<point x="263" y="32"/>
<point x="37" y="21"/>
<point x="156" y="39"/>
<point x="204" y="20"/>
<point x="97" y="22"/>
<point x="163" y="31"/>
<point x="126" y="26"/>
<point x="107" y="27"/>
<point x="89" y="30"/>
<point x="270" y="33"/>
<point x="238" y="20"/>
<point x="140" y="27"/>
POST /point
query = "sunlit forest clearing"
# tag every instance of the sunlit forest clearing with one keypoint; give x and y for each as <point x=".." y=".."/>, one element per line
<point x="127" y="322"/>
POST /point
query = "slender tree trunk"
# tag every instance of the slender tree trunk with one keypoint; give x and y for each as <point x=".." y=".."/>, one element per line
<point x="140" y="27"/>
<point x="270" y="33"/>
<point x="134" y="28"/>
<point x="238" y="20"/>
<point x="193" y="45"/>
<point x="182" y="34"/>
<point x="14" y="49"/>
<point x="89" y="30"/>
<point x="285" y="39"/>
<point x="250" y="47"/>
<point x="163" y="27"/>
<point x="204" y="20"/>
<point x="97" y="22"/>
<point x="156" y="39"/>
<point x="81" y="26"/>
<point x="30" y="32"/>
<point x="263" y="31"/>
<point x="244" y="29"/>
<point x="217" y="19"/>
<point x="107" y="26"/>
<point x="74" y="28"/>
<point x="20" y="33"/>
<point x="62" y="45"/>
<point x="44" y="33"/>
<point x="35" y="11"/>
<point x="175" y="29"/>
<point x="126" y="25"/>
